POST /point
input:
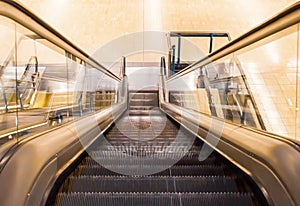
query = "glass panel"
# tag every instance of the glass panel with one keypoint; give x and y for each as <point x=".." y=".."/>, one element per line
<point x="116" y="67"/>
<point x="230" y="93"/>
<point x="90" y="89"/>
<point x="28" y="79"/>
<point x="270" y="67"/>
<point x="50" y="97"/>
<point x="8" y="105"/>
<point x="297" y="122"/>
<point x="43" y="86"/>
<point x="191" y="47"/>
<point x="105" y="90"/>
<point x="217" y="89"/>
<point x="77" y="86"/>
<point x="42" y="81"/>
<point x="185" y="93"/>
<point x="257" y="86"/>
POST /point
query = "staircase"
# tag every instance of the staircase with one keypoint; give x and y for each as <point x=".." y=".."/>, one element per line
<point x="147" y="159"/>
<point x="143" y="102"/>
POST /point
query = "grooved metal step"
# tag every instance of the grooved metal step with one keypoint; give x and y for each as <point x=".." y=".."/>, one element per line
<point x="155" y="199"/>
<point x="165" y="151"/>
<point x="182" y="161"/>
<point x="152" y="184"/>
<point x="177" y="170"/>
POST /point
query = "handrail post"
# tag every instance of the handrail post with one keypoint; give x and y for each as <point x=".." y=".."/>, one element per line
<point x="163" y="73"/>
<point x="123" y="67"/>
<point x="124" y="82"/>
<point x="178" y="50"/>
<point x="211" y="42"/>
<point x="163" y="66"/>
<point x="173" y="65"/>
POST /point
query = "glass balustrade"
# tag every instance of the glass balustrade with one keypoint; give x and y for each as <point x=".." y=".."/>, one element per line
<point x="44" y="84"/>
<point x="252" y="82"/>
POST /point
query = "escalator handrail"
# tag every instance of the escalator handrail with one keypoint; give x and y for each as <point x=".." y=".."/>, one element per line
<point x="283" y="20"/>
<point x="59" y="156"/>
<point x="200" y="125"/>
<point x="235" y="142"/>
<point x="17" y="12"/>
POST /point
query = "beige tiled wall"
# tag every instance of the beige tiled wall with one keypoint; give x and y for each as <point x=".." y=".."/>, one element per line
<point x="92" y="23"/>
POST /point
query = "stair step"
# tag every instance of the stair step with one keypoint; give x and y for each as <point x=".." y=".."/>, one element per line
<point x="155" y="148"/>
<point x="152" y="184"/>
<point x="177" y="170"/>
<point x="144" y="161"/>
<point x="143" y="95"/>
<point x="157" y="199"/>
<point x="103" y="150"/>
<point x="141" y="107"/>
<point x="143" y="103"/>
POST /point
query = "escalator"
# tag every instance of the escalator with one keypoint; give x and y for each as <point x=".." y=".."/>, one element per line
<point x="116" y="169"/>
<point x="146" y="157"/>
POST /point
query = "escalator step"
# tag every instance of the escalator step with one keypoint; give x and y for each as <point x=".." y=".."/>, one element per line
<point x="94" y="170"/>
<point x="199" y="170"/>
<point x="181" y="170"/>
<point x="194" y="161"/>
<point x="157" y="146"/>
<point x="218" y="199"/>
<point x="151" y="184"/>
<point x="110" y="160"/>
<point x="102" y="150"/>
<point x="141" y="162"/>
<point x="154" y="144"/>
<point x="166" y="151"/>
<point x="157" y="199"/>
<point x="121" y="170"/>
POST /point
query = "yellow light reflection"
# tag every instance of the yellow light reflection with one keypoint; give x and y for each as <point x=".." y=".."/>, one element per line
<point x="272" y="52"/>
<point x="290" y="102"/>
<point x="152" y="15"/>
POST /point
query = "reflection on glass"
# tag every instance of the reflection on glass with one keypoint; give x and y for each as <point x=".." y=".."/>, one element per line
<point x="297" y="82"/>
<point x="216" y="89"/>
<point x="271" y="68"/>
<point x="257" y="86"/>
<point x="43" y="86"/>
<point x="185" y="48"/>
<point x="8" y="73"/>
<point x="231" y="96"/>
